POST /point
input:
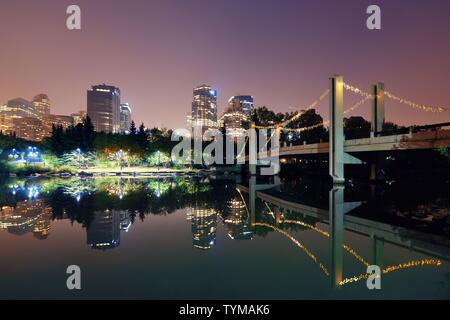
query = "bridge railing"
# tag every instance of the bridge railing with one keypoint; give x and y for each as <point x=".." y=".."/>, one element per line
<point x="413" y="129"/>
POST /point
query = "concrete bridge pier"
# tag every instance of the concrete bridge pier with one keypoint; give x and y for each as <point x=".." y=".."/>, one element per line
<point x="252" y="199"/>
<point x="378" y="251"/>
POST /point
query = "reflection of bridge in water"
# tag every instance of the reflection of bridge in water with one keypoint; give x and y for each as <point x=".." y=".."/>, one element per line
<point x="339" y="220"/>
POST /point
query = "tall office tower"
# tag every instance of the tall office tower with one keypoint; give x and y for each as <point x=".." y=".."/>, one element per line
<point x="238" y="110"/>
<point x="41" y="104"/>
<point x="103" y="107"/>
<point x="125" y="117"/>
<point x="79" y="117"/>
<point x="244" y="102"/>
<point x="204" y="107"/>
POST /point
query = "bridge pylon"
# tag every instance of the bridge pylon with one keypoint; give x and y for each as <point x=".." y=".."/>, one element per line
<point x="336" y="153"/>
<point x="377" y="109"/>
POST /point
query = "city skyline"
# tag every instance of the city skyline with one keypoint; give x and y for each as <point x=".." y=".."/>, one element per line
<point x="283" y="55"/>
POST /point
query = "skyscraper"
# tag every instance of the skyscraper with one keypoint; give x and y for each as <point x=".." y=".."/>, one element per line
<point x="244" y="102"/>
<point x="41" y="104"/>
<point x="204" y="107"/>
<point x="239" y="110"/>
<point x="103" y="107"/>
<point x="125" y="117"/>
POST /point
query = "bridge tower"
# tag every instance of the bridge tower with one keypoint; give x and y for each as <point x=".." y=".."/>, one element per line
<point x="336" y="153"/>
<point x="377" y="108"/>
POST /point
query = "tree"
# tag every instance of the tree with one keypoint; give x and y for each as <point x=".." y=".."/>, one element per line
<point x="133" y="128"/>
<point x="88" y="134"/>
<point x="262" y="116"/>
<point x="142" y="137"/>
<point x="311" y="122"/>
<point x="356" y="128"/>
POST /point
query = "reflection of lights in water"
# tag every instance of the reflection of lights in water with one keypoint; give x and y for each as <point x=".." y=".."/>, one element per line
<point x="298" y="244"/>
<point x="389" y="269"/>
<point x="78" y="197"/>
<point x="33" y="192"/>
<point x="400" y="266"/>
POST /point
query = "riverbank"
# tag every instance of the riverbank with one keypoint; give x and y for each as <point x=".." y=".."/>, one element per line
<point x="102" y="171"/>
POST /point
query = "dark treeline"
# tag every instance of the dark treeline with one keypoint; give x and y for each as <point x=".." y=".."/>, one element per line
<point x="138" y="141"/>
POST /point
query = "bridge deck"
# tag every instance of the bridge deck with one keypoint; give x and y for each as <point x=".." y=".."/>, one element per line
<point x="414" y="141"/>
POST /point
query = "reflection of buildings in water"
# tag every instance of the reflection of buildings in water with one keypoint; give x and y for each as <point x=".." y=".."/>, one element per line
<point x="125" y="221"/>
<point x="104" y="230"/>
<point x="42" y="228"/>
<point x="204" y="226"/>
<point x="237" y="220"/>
<point x="27" y="216"/>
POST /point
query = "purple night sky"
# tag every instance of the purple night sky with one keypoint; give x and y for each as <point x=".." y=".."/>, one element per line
<point x="282" y="52"/>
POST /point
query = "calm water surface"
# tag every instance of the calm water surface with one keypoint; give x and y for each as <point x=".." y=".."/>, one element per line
<point x="191" y="238"/>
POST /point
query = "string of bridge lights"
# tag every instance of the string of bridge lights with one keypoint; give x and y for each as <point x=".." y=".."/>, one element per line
<point x="296" y="116"/>
<point x="327" y="122"/>
<point x="414" y="105"/>
<point x="365" y="97"/>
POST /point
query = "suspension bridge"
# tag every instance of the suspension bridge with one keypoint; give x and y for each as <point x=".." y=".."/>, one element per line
<point x="343" y="151"/>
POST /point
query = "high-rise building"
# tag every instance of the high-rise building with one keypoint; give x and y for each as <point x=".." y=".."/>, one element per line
<point x="204" y="107"/>
<point x="41" y="104"/>
<point x="125" y="117"/>
<point x="19" y="108"/>
<point x="79" y="117"/>
<point x="238" y="110"/>
<point x="31" y="129"/>
<point x="245" y="103"/>
<point x="20" y="116"/>
<point x="103" y="107"/>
